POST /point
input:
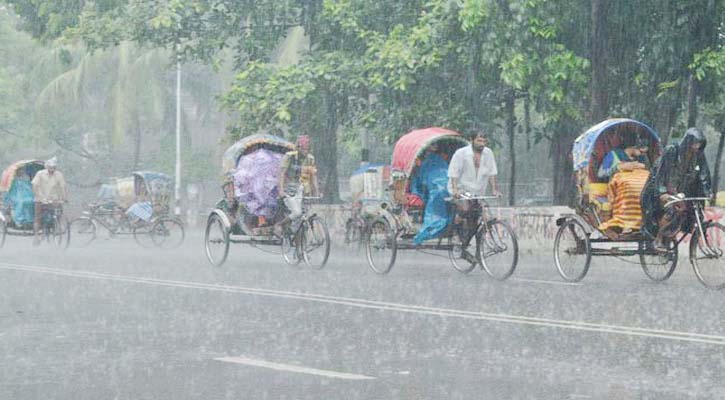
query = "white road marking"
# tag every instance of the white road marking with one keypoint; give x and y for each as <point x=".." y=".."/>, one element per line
<point x="387" y="306"/>
<point x="546" y="282"/>
<point x="294" y="368"/>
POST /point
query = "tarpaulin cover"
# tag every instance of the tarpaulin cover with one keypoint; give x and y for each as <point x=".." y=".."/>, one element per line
<point x="367" y="182"/>
<point x="21" y="199"/>
<point x="8" y="175"/>
<point x="414" y="143"/>
<point x="230" y="160"/>
<point x="583" y="151"/>
<point x="119" y="191"/>
<point x="255" y="181"/>
<point x="430" y="184"/>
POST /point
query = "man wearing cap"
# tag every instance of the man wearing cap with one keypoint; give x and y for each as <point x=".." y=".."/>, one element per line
<point x="471" y="170"/>
<point x="49" y="188"/>
<point x="297" y="178"/>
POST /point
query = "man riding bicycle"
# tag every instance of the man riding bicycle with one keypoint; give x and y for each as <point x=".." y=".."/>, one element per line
<point x="471" y="170"/>
<point x="297" y="178"/>
<point x="681" y="169"/>
<point x="48" y="188"/>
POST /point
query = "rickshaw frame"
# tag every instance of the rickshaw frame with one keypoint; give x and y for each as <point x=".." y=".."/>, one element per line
<point x="392" y="219"/>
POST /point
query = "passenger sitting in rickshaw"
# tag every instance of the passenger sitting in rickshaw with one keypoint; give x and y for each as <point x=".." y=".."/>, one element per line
<point x="682" y="169"/>
<point x="21" y="200"/>
<point x="142" y="209"/>
<point x="626" y="169"/>
<point x="429" y="183"/>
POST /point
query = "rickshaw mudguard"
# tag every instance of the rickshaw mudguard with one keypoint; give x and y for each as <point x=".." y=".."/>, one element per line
<point x="564" y="217"/>
<point x="223" y="217"/>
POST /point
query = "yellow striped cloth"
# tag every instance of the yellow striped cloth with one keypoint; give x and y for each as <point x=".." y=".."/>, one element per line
<point x="624" y="192"/>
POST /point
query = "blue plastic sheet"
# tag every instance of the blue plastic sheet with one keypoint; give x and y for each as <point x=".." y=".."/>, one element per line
<point x="430" y="184"/>
<point x="22" y="200"/>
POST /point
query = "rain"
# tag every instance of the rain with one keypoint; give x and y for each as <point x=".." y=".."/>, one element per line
<point x="332" y="199"/>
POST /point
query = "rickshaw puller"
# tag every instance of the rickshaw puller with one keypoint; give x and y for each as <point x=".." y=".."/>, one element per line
<point x="297" y="177"/>
<point x="49" y="188"/>
<point x="682" y="169"/>
<point x="471" y="170"/>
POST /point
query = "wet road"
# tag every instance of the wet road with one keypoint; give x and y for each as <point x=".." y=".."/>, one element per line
<point x="116" y="321"/>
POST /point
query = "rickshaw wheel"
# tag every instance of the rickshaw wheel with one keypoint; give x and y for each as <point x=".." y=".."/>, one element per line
<point x="572" y="251"/>
<point x="167" y="233"/>
<point x="59" y="232"/>
<point x="709" y="267"/>
<point x="216" y="241"/>
<point x="316" y="243"/>
<point x="498" y="251"/>
<point x="381" y="246"/>
<point x="454" y="254"/>
<point x="289" y="250"/>
<point x="3" y="233"/>
<point x="658" y="265"/>
<point x="82" y="231"/>
<point x="142" y="235"/>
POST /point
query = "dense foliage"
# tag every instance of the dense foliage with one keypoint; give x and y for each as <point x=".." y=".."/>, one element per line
<point x="530" y="71"/>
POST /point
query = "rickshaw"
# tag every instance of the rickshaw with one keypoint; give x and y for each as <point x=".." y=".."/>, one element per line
<point x="579" y="237"/>
<point x="395" y="223"/>
<point x="250" y="208"/>
<point x="150" y="192"/>
<point x="17" y="209"/>
<point x="367" y="189"/>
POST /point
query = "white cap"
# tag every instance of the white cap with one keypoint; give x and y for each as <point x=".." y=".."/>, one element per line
<point x="53" y="162"/>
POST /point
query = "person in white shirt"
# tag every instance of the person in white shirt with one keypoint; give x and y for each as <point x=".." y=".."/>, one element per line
<point x="471" y="170"/>
<point x="49" y="188"/>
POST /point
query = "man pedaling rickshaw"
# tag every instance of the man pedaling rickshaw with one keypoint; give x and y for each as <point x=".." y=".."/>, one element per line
<point x="49" y="188"/>
<point x="471" y="170"/>
<point x="682" y="169"/>
<point x="297" y="178"/>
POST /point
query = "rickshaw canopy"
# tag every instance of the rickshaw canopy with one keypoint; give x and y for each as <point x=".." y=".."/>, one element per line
<point x="591" y="146"/>
<point x="413" y="144"/>
<point x="368" y="180"/>
<point x="243" y="145"/>
<point x="158" y="185"/>
<point x="119" y="190"/>
<point x="8" y="175"/>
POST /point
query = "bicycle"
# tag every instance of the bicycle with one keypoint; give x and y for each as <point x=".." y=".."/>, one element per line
<point x="706" y="242"/>
<point x="52" y="224"/>
<point x="494" y="239"/>
<point x="303" y="242"/>
<point x="164" y="231"/>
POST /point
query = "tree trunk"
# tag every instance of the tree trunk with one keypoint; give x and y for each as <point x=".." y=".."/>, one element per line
<point x="560" y="151"/>
<point x="692" y="101"/>
<point x="527" y="121"/>
<point x="718" y="160"/>
<point x="598" y="47"/>
<point x="327" y="151"/>
<point x="511" y="133"/>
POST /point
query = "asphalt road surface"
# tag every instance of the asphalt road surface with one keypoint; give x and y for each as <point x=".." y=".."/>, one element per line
<point x="116" y="321"/>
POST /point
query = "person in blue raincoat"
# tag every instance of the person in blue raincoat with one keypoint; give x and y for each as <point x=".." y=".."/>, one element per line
<point x="21" y="199"/>
<point x="430" y="183"/>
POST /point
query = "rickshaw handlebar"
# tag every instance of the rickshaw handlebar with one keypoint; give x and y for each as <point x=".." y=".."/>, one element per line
<point x="681" y="199"/>
<point x="471" y="197"/>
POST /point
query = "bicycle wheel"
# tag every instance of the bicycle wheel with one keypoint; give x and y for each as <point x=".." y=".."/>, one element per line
<point x="498" y="250"/>
<point x="82" y="231"/>
<point x="167" y="233"/>
<point x="216" y="241"/>
<point x="706" y="255"/>
<point x="455" y="255"/>
<point x="142" y="235"/>
<point x="316" y="243"/>
<point x="59" y="232"/>
<point x="572" y="251"/>
<point x="658" y="263"/>
<point x="289" y="250"/>
<point x="381" y="246"/>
